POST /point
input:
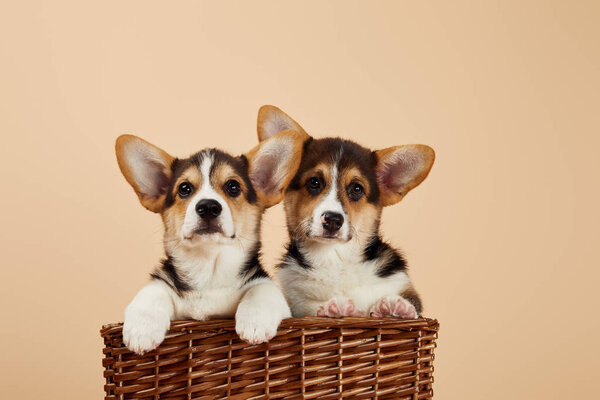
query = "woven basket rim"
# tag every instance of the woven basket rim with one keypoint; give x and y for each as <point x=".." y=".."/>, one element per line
<point x="115" y="329"/>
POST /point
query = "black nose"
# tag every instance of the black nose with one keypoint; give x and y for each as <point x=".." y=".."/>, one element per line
<point x="332" y="221"/>
<point x="208" y="208"/>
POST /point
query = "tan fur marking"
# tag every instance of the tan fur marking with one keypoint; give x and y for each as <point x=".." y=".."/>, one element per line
<point x="123" y="146"/>
<point x="299" y="204"/>
<point x="272" y="115"/>
<point x="291" y="166"/>
<point x="244" y="214"/>
<point x="174" y="216"/>
<point x="385" y="156"/>
<point x="363" y="216"/>
<point x="351" y="175"/>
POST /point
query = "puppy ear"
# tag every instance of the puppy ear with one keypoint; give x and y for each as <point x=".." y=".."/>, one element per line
<point x="273" y="163"/>
<point x="271" y="120"/>
<point x="147" y="169"/>
<point x="401" y="169"/>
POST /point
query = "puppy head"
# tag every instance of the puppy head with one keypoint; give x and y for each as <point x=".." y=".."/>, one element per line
<point x="341" y="187"/>
<point x="211" y="195"/>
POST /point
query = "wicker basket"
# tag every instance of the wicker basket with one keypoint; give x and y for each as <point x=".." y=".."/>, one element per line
<point x="310" y="358"/>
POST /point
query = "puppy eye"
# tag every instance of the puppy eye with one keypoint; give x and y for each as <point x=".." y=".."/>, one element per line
<point x="232" y="187"/>
<point x="355" y="191"/>
<point x="185" y="189"/>
<point x="314" y="185"/>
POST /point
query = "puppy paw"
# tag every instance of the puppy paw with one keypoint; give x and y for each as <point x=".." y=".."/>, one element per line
<point x="144" y="331"/>
<point x="338" y="308"/>
<point x="393" y="306"/>
<point x="256" y="325"/>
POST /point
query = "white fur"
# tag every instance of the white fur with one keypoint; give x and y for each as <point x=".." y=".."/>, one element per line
<point x="331" y="203"/>
<point x="191" y="221"/>
<point x="147" y="317"/>
<point x="218" y="292"/>
<point x="214" y="273"/>
<point x="338" y="272"/>
<point x="260" y="312"/>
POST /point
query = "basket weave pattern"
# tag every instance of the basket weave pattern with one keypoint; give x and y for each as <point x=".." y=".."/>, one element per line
<point x="310" y="358"/>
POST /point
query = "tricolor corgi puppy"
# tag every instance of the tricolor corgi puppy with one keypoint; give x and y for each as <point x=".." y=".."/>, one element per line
<point x="336" y="263"/>
<point x="211" y="204"/>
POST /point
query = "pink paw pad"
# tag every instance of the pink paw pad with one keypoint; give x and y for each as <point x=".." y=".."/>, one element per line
<point x="393" y="307"/>
<point x="338" y="308"/>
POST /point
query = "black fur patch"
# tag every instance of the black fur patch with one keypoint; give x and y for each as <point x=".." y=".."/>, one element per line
<point x="378" y="249"/>
<point x="294" y="254"/>
<point x="167" y="273"/>
<point x="346" y="154"/>
<point x="252" y="268"/>
<point x="374" y="249"/>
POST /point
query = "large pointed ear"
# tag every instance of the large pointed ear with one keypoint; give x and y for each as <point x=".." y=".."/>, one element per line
<point x="401" y="169"/>
<point x="271" y="120"/>
<point x="273" y="163"/>
<point x="147" y="169"/>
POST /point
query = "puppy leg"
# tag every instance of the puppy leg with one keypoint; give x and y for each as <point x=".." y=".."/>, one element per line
<point x="260" y="311"/>
<point x="148" y="317"/>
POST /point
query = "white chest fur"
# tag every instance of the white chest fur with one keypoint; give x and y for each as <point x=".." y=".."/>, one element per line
<point x="217" y="290"/>
<point x="337" y="271"/>
<point x="216" y="283"/>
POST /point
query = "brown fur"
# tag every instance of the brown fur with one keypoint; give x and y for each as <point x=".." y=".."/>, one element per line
<point x="153" y="203"/>
<point x="269" y="113"/>
<point x="364" y="216"/>
<point x="174" y="215"/>
<point x="272" y="196"/>
<point x="392" y="194"/>
<point x="243" y="213"/>
<point x="299" y="204"/>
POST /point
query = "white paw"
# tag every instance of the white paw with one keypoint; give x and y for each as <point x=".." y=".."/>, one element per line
<point x="337" y="308"/>
<point x="256" y="325"/>
<point x="393" y="306"/>
<point x="143" y="330"/>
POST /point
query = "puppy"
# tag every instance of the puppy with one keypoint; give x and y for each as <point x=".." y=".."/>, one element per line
<point x="211" y="206"/>
<point x="336" y="263"/>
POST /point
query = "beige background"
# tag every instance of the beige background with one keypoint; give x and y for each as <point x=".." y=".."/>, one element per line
<point x="502" y="237"/>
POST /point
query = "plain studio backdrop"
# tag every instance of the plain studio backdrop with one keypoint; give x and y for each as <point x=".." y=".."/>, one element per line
<point x="501" y="237"/>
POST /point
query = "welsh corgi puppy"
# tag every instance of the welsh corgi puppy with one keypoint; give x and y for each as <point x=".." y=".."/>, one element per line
<point x="336" y="263"/>
<point x="211" y="205"/>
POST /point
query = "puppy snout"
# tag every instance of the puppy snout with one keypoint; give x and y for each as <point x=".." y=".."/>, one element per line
<point x="208" y="209"/>
<point x="332" y="221"/>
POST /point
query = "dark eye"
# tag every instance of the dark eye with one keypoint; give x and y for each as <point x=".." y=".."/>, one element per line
<point x="232" y="187"/>
<point x="355" y="191"/>
<point x="314" y="185"/>
<point x="185" y="189"/>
